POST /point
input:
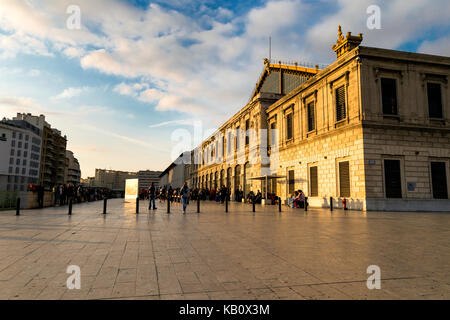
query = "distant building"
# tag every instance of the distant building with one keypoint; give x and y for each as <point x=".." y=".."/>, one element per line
<point x="53" y="150"/>
<point x="114" y="180"/>
<point x="72" y="172"/>
<point x="20" y="155"/>
<point x="177" y="173"/>
<point x="147" y="177"/>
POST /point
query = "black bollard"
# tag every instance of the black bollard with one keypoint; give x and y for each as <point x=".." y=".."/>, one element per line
<point x="105" y="203"/>
<point x="226" y="205"/>
<point x="168" y="206"/>
<point x="306" y="204"/>
<point x="137" y="205"/>
<point x="279" y="204"/>
<point x="331" y="203"/>
<point x="18" y="207"/>
<point x="198" y="205"/>
<point x="70" y="207"/>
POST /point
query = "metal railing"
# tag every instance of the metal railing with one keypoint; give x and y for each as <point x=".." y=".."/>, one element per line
<point x="8" y="200"/>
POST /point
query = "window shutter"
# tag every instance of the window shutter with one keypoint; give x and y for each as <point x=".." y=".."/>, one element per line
<point x="344" y="179"/>
<point x="340" y="104"/>
<point x="392" y="179"/>
<point x="434" y="100"/>
<point x="291" y="182"/>
<point x="314" y="192"/>
<point x="289" y="126"/>
<point x="389" y="96"/>
<point x="311" y="116"/>
<point x="439" y="180"/>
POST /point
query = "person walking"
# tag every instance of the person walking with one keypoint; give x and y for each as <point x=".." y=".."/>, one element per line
<point x="185" y="193"/>
<point x="151" y="197"/>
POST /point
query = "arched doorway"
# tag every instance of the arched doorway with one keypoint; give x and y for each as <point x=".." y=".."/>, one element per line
<point x="237" y="177"/>
<point x="247" y="183"/>
<point x="211" y="183"/>
<point x="229" y="174"/>
<point x="222" y="176"/>
<point x="216" y="180"/>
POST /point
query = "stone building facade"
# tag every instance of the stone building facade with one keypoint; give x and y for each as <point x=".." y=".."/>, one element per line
<point x="372" y="128"/>
<point x="232" y="155"/>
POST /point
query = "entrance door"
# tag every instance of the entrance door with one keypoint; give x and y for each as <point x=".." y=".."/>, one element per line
<point x="392" y="179"/>
<point x="439" y="180"/>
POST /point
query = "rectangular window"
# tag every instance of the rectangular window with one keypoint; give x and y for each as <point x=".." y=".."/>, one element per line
<point x="389" y="96"/>
<point x="229" y="142"/>
<point x="247" y="127"/>
<point x="238" y="133"/>
<point x="289" y="128"/>
<point x="434" y="100"/>
<point x="11" y="160"/>
<point x="344" y="179"/>
<point x="13" y="143"/>
<point x="291" y="182"/>
<point x="313" y="182"/>
<point x="392" y="179"/>
<point x="341" y="112"/>
<point x="273" y="127"/>
<point x="439" y="180"/>
<point x="311" y="117"/>
<point x="27" y="137"/>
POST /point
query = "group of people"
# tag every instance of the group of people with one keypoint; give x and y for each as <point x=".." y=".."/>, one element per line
<point x="169" y="195"/>
<point x="297" y="199"/>
<point x="65" y="192"/>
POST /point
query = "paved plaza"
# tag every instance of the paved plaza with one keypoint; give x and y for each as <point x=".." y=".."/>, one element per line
<point x="213" y="255"/>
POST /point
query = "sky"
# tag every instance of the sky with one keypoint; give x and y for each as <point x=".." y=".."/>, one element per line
<point x="138" y="71"/>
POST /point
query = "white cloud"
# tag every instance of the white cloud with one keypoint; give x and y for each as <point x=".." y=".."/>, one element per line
<point x="71" y="92"/>
<point x="440" y="47"/>
<point x="172" y="62"/>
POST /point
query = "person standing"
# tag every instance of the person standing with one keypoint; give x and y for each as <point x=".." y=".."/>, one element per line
<point x="185" y="192"/>
<point x="151" y="197"/>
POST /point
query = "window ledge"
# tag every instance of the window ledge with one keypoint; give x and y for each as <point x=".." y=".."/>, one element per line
<point x="340" y="123"/>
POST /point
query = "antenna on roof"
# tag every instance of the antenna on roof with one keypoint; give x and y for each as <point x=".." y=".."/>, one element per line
<point x="270" y="49"/>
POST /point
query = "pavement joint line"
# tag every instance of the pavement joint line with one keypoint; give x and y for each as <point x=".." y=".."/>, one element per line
<point x="254" y="288"/>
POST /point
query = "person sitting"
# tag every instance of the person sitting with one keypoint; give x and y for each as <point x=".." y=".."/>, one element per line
<point x="291" y="200"/>
<point x="300" y="199"/>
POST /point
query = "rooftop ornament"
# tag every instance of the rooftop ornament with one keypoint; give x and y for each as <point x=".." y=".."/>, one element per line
<point x="346" y="44"/>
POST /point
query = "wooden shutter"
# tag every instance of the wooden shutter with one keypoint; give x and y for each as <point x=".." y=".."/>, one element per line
<point x="344" y="179"/>
<point x="314" y="183"/>
<point x="434" y="100"/>
<point x="311" y="117"/>
<point x="389" y="96"/>
<point x="439" y="180"/>
<point x="291" y="181"/>
<point x="289" y="126"/>
<point x="340" y="104"/>
<point x="392" y="179"/>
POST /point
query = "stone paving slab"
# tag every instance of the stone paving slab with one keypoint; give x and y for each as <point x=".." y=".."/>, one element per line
<point x="213" y="255"/>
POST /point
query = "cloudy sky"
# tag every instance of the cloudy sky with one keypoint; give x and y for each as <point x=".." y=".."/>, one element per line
<point x="137" y="70"/>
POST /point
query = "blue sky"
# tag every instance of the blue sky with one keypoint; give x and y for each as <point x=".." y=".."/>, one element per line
<point x="139" y="70"/>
